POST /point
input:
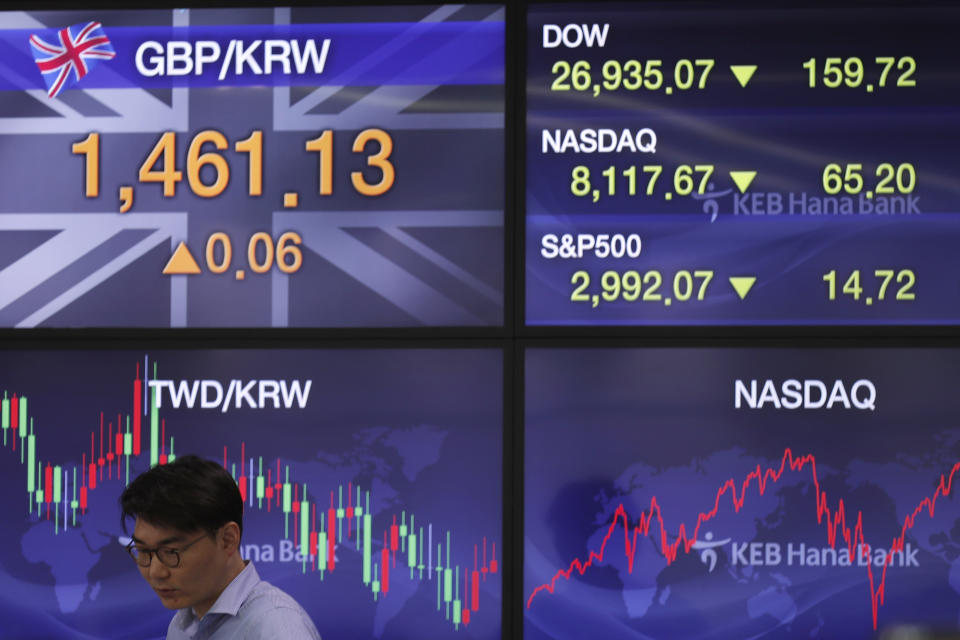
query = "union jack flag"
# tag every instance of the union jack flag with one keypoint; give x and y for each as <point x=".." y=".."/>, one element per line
<point x="80" y="47"/>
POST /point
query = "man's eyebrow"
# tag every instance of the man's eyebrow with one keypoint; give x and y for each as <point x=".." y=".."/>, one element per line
<point x="162" y="543"/>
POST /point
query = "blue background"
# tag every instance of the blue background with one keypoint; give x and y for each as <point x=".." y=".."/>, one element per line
<point x="435" y="237"/>
<point x="420" y="429"/>
<point x="606" y="427"/>
<point x="777" y="126"/>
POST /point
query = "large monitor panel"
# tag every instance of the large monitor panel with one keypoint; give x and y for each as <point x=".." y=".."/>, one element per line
<point x="371" y="481"/>
<point x="256" y="167"/>
<point x="694" y="163"/>
<point x="718" y="493"/>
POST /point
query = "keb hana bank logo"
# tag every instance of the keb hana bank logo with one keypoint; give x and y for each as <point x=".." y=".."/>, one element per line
<point x="77" y="50"/>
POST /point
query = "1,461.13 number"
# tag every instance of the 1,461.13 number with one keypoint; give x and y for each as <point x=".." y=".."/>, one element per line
<point x="160" y="165"/>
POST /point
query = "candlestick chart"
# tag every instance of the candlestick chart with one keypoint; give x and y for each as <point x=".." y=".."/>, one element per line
<point x="348" y="531"/>
<point x="658" y="508"/>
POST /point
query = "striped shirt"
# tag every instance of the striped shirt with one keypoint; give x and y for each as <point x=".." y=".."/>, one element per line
<point x="248" y="609"/>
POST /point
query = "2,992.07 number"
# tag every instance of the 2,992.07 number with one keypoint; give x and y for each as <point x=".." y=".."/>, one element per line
<point x="631" y="285"/>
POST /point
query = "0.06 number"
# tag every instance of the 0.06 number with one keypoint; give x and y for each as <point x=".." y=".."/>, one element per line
<point x="289" y="257"/>
<point x="632" y="285"/>
<point x="853" y="286"/>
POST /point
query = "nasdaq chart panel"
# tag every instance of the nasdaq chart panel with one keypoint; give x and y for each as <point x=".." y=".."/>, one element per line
<point x="296" y="167"/>
<point x="371" y="482"/>
<point x="740" y="164"/>
<point x="740" y="493"/>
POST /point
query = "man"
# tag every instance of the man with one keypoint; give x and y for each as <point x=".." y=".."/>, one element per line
<point x="186" y="541"/>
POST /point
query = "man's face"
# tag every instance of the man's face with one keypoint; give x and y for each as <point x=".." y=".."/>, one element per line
<point x="201" y="576"/>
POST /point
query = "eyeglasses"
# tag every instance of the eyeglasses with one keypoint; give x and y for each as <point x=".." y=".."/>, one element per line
<point x="167" y="556"/>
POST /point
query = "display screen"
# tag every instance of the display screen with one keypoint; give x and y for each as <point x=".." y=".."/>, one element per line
<point x="257" y="167"/>
<point x="716" y="493"/>
<point x="371" y="483"/>
<point x="699" y="164"/>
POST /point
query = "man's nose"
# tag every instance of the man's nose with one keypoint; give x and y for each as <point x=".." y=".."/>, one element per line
<point x="157" y="569"/>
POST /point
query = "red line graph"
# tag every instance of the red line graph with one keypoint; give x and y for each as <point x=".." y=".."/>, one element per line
<point x="836" y="522"/>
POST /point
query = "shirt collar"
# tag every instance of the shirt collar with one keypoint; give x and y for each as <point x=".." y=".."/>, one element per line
<point x="230" y="599"/>
<point x="236" y="592"/>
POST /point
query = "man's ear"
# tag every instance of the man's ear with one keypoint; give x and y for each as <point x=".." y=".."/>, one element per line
<point x="230" y="536"/>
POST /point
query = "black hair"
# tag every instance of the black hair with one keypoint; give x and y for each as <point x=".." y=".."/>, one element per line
<point x="187" y="494"/>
